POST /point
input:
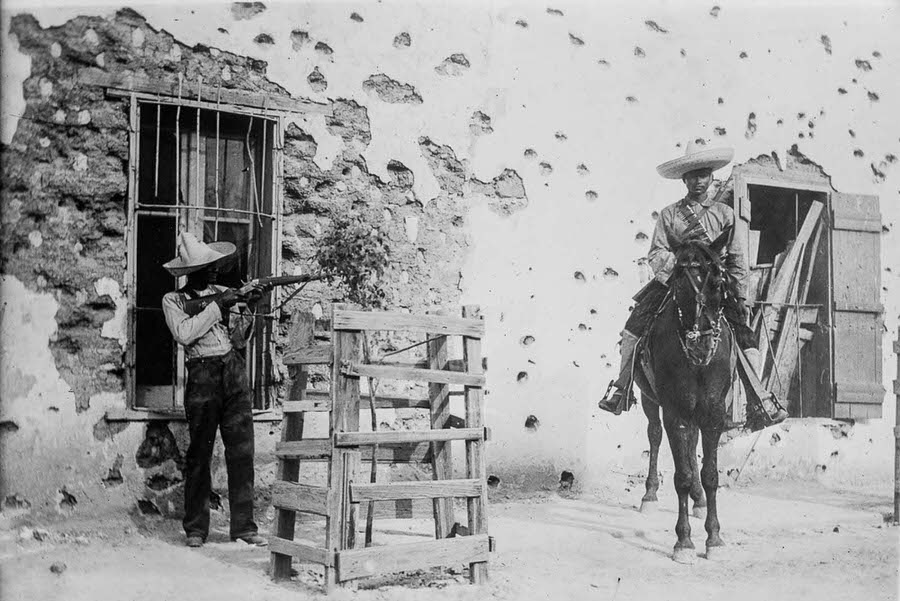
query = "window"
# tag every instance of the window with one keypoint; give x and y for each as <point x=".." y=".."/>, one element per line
<point x="214" y="173"/>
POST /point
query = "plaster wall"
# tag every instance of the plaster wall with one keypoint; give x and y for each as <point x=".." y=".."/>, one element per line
<point x="583" y="101"/>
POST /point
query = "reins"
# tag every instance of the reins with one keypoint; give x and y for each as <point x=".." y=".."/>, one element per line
<point x="690" y="337"/>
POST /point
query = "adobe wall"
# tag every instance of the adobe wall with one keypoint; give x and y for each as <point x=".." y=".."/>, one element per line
<point x="508" y="152"/>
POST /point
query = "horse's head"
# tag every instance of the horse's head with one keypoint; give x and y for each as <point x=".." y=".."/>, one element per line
<point x="699" y="282"/>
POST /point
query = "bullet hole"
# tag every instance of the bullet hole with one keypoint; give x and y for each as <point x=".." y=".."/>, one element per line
<point x="158" y="446"/>
<point x="530" y="153"/>
<point x="811" y="124"/>
<point x="264" y="39"/>
<point x="640" y="237"/>
<point x="821" y="468"/>
<point x="779" y="122"/>
<point x="566" y="480"/>
<point x="872" y="96"/>
<point x="53" y="408"/>
<point x="654" y="215"/>
<point x="560" y="136"/>
<point x="582" y="169"/>
<point x="454" y="65"/>
<point x="522" y="377"/>
<point x="484" y="364"/>
<point x="834" y="454"/>
<point x="323" y="49"/>
<point x="836" y="529"/>
<point x="878" y="176"/>
<point x="299" y="39"/>
<point x="58" y="567"/>
<point x="148" y="507"/>
<point x="853" y="80"/>
<point x="863" y="65"/>
<point x="527" y="340"/>
<point x="801" y="135"/>
<point x="579" y="276"/>
<point x="555" y="12"/>
<point x="631" y="99"/>
<point x="16" y="502"/>
<point x="532" y="423"/>
<point x="876" y="54"/>
<point x="842" y="91"/>
<point x="720" y="131"/>
<point x="890" y="158"/>
<point x="576" y="41"/>
<point x="391" y="91"/>
<point x="522" y="23"/>
<point x="246" y="10"/>
<point x="743" y="54"/>
<point x="653" y="26"/>
<point x="493" y="481"/>
<point x="683" y="52"/>
<point x="546" y="168"/>
<point x="8" y="426"/>
<point x="67" y="501"/>
<point x="603" y="62"/>
<point x="317" y="81"/>
<point x="161" y="482"/>
<point x="356" y="17"/>
<point x="114" y="475"/>
<point x="858" y="153"/>
<point x="222" y="30"/>
<point x="402" y="40"/>
<point x="826" y="43"/>
<point x="639" y="52"/>
<point x="582" y="327"/>
<point x="480" y="124"/>
<point x="610" y="273"/>
<point x="751" y="126"/>
<point x="700" y="142"/>
<point x="775" y="439"/>
<point x="714" y="11"/>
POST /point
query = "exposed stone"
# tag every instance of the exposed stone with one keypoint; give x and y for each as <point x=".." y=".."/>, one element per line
<point x="402" y="40"/>
<point x="391" y="91"/>
<point x="246" y="10"/>
<point x="575" y="40"/>
<point x="323" y="49"/>
<point x="454" y="65"/>
<point x="480" y="124"/>
<point x="446" y="168"/>
<point x="653" y="26"/>
<point x="114" y="476"/>
<point x="826" y="43"/>
<point x="264" y="39"/>
<point x="299" y="39"/>
<point x="317" y="81"/>
<point x="356" y="17"/>
<point x="158" y="447"/>
<point x="104" y="429"/>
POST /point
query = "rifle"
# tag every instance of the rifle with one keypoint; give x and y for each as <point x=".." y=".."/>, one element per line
<point x="193" y="306"/>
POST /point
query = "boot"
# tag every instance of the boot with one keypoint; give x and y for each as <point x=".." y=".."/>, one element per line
<point x="621" y="388"/>
<point x="761" y="402"/>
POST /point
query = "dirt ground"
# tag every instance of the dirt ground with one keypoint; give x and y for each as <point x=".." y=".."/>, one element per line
<point x="785" y="541"/>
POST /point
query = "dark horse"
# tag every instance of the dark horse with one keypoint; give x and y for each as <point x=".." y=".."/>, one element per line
<point x="690" y="364"/>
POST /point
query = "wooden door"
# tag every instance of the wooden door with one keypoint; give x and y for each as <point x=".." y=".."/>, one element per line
<point x="856" y="305"/>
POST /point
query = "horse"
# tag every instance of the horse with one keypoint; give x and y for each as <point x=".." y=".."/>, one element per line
<point x="689" y="365"/>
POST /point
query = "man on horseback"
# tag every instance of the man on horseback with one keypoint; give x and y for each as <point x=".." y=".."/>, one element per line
<point x="695" y="217"/>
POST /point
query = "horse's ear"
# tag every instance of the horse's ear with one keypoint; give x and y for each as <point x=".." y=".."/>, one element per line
<point x="719" y="243"/>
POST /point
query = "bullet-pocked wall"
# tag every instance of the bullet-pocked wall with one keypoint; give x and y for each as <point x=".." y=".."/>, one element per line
<point x="507" y="150"/>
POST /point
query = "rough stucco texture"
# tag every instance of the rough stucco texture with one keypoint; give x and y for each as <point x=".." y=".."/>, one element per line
<point x="511" y="166"/>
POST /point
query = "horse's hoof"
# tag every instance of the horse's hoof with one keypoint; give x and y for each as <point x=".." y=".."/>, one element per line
<point x="649" y="506"/>
<point x="685" y="556"/>
<point x="699" y="512"/>
<point x="717" y="553"/>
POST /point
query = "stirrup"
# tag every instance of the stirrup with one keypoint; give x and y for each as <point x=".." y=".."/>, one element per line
<point x="613" y="404"/>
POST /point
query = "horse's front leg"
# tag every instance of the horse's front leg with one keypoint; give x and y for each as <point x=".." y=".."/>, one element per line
<point x="654" y="436"/>
<point x="710" y="478"/>
<point x="699" y="509"/>
<point x="681" y="434"/>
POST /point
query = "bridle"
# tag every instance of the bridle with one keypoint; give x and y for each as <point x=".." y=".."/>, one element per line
<point x="692" y="336"/>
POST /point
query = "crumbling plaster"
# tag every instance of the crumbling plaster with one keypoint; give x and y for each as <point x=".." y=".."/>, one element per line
<point x="582" y="117"/>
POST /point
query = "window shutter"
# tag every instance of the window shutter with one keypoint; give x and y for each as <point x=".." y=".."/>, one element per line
<point x="857" y="310"/>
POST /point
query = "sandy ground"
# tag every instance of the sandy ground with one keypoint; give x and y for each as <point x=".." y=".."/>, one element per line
<point x="785" y="541"/>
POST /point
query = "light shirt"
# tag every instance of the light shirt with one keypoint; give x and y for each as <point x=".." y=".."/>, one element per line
<point x="204" y="334"/>
<point x="671" y="228"/>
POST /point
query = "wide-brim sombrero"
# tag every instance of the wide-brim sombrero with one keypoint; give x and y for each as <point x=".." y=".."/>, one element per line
<point x="696" y="157"/>
<point x="194" y="255"/>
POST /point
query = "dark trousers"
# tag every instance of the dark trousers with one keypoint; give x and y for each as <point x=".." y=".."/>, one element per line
<point x="218" y="397"/>
<point x="651" y="301"/>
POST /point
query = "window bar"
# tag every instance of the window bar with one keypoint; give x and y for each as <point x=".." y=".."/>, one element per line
<point x="178" y="223"/>
<point x="156" y="157"/>
<point x="197" y="168"/>
<point x="218" y="114"/>
<point x="251" y="359"/>
<point x="263" y="327"/>
<point x="797" y="301"/>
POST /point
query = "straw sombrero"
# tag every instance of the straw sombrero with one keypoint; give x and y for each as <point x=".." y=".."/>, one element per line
<point x="695" y="157"/>
<point x="194" y="255"/>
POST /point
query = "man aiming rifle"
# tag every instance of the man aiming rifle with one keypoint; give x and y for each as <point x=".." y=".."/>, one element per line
<point x="217" y="393"/>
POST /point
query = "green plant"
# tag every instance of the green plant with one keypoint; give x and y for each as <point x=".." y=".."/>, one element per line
<point x="354" y="256"/>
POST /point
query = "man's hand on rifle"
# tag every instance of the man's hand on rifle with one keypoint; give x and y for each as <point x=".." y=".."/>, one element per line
<point x="254" y="294"/>
<point x="228" y="299"/>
